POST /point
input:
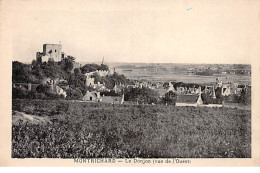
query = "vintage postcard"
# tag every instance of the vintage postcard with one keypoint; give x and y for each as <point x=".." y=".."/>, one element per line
<point x="130" y="83"/>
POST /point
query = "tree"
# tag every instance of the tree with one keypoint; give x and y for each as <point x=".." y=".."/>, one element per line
<point x="89" y="68"/>
<point x="206" y="98"/>
<point x="70" y="58"/>
<point x="141" y="95"/>
<point x="68" y="66"/>
<point x="77" y="71"/>
<point x="170" y="98"/>
<point x="219" y="97"/>
<point x="42" y="88"/>
<point x="97" y="77"/>
<point x="38" y="73"/>
<point x="18" y="93"/>
<point x="232" y="98"/>
<point x="115" y="79"/>
<point x="76" y="80"/>
<point x="74" y="94"/>
<point x="104" y="67"/>
<point x="245" y="96"/>
<point x="34" y="62"/>
<point x="21" y="72"/>
<point x="51" y="62"/>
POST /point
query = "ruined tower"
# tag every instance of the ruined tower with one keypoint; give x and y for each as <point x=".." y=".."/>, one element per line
<point x="50" y="52"/>
<point x="53" y="51"/>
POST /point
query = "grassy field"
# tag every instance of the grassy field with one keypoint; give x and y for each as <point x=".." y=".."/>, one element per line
<point x="88" y="130"/>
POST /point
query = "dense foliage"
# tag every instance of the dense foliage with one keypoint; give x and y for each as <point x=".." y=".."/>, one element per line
<point x="93" y="67"/>
<point x="37" y="72"/>
<point x="141" y="95"/>
<point x="20" y="93"/>
<point x="170" y="98"/>
<point x="181" y="84"/>
<point x="88" y="130"/>
<point x="116" y="79"/>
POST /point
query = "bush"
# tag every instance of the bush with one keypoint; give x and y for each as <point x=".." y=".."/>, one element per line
<point x="28" y="109"/>
<point x="42" y="88"/>
<point x="74" y="94"/>
<point x="141" y="95"/>
<point x="18" y="93"/>
<point x="170" y="98"/>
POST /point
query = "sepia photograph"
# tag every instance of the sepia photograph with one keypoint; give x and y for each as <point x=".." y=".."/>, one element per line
<point x="131" y="82"/>
<point x="62" y="108"/>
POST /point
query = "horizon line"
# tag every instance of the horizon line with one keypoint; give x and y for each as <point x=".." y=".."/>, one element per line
<point x="150" y="62"/>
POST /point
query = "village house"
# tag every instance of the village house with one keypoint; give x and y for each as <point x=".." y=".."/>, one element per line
<point x="100" y="87"/>
<point x="102" y="72"/>
<point x="99" y="72"/>
<point x="158" y="85"/>
<point x="189" y="100"/>
<point x="171" y="87"/>
<point x="93" y="96"/>
<point x="144" y="83"/>
<point x="113" y="99"/>
<point x="138" y="85"/>
<point x="208" y="89"/>
<point x="97" y="86"/>
<point x="211" y="91"/>
<point x="90" y="81"/>
<point x="181" y="90"/>
<point x="60" y="91"/>
<point x="54" y="88"/>
<point x="151" y="86"/>
<point x="225" y="90"/>
<point x="239" y="89"/>
<point x="118" y="88"/>
<point x="218" y="83"/>
<point x="193" y="90"/>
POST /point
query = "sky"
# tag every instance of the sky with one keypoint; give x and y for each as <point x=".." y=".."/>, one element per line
<point x="137" y="31"/>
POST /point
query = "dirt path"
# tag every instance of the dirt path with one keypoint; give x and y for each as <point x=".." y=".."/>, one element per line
<point x="20" y="117"/>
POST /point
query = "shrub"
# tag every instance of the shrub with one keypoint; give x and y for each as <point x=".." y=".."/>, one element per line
<point x="28" y="109"/>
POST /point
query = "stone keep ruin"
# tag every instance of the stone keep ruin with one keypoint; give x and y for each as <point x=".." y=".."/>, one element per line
<point x="50" y="52"/>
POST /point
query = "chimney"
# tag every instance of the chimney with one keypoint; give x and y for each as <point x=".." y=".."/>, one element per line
<point x="29" y="86"/>
<point x="199" y="101"/>
<point x="98" y="95"/>
<point x="115" y="88"/>
<point x="123" y="99"/>
<point x="213" y="94"/>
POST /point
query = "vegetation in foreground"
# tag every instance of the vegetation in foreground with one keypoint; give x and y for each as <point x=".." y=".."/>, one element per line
<point x="88" y="130"/>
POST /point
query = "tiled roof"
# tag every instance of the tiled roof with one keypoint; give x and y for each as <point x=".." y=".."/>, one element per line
<point x="89" y="94"/>
<point x="187" y="98"/>
<point x="111" y="99"/>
